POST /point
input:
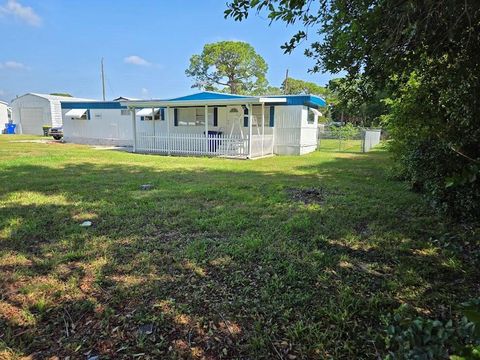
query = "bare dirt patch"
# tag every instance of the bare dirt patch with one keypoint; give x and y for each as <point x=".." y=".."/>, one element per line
<point x="314" y="195"/>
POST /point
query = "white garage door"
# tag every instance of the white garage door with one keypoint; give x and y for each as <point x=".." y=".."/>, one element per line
<point x="32" y="120"/>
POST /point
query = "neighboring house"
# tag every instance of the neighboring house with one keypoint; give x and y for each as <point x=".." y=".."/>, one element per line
<point x="237" y="126"/>
<point x="123" y="98"/>
<point x="32" y="111"/>
<point x="4" y="113"/>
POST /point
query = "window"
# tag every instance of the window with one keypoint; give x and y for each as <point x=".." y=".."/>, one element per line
<point x="195" y="116"/>
<point x="78" y="114"/>
<point x="311" y="117"/>
<point x="149" y="118"/>
<point x="98" y="116"/>
<point x="146" y="114"/>
<point x="124" y="112"/>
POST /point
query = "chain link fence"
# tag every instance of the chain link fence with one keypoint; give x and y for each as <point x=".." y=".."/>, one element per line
<point x="348" y="139"/>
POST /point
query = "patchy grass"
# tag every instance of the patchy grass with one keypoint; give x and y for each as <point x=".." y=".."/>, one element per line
<point x="286" y="257"/>
<point x="340" y="145"/>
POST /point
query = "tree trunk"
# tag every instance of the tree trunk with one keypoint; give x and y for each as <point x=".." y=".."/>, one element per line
<point x="233" y="85"/>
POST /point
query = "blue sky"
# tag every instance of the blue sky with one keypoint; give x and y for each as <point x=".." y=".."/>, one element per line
<point x="56" y="46"/>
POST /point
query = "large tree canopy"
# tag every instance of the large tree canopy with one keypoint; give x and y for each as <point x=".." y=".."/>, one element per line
<point x="353" y="100"/>
<point x="232" y="65"/>
<point x="424" y="54"/>
<point x="291" y="86"/>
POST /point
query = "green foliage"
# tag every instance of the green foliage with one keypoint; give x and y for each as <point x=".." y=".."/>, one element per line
<point x="471" y="310"/>
<point x="426" y="339"/>
<point x="233" y="65"/>
<point x="427" y="47"/>
<point x="272" y="90"/>
<point x="436" y="154"/>
<point x="355" y="99"/>
<point x="347" y="131"/>
<point x="62" y="94"/>
<point x="292" y="86"/>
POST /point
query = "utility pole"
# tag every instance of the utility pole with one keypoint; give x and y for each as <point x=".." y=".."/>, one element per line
<point x="103" y="82"/>
<point x="285" y="86"/>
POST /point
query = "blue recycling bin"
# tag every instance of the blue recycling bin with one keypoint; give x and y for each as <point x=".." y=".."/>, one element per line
<point x="10" y="128"/>
<point x="213" y="140"/>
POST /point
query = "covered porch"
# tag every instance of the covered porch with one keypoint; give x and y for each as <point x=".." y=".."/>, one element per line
<point x="214" y="125"/>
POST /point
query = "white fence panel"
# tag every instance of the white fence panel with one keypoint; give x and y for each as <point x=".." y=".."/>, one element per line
<point x="371" y="139"/>
<point x="193" y="144"/>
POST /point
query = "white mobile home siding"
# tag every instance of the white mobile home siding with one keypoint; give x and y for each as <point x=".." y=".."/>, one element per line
<point x="293" y="134"/>
<point x="3" y="113"/>
<point x="308" y="133"/>
<point x="105" y="127"/>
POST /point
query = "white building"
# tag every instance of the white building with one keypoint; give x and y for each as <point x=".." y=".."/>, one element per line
<point x="97" y="123"/>
<point x="4" y="113"/>
<point x="205" y="123"/>
<point x="32" y="111"/>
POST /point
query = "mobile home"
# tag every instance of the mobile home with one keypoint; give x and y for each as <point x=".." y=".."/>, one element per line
<point x="206" y="123"/>
<point x="217" y="124"/>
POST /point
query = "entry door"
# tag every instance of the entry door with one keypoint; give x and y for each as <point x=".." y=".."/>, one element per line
<point x="235" y="120"/>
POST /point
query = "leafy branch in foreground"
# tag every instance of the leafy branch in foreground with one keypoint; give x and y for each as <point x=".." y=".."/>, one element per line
<point x="423" y="57"/>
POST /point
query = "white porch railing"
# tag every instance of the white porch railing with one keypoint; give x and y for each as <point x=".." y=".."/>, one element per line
<point x="198" y="144"/>
<point x="193" y="144"/>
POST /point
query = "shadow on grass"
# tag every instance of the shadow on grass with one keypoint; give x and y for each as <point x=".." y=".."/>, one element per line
<point x="223" y="264"/>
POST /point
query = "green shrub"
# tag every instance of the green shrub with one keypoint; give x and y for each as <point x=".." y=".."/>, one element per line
<point x="437" y="147"/>
<point x="419" y="338"/>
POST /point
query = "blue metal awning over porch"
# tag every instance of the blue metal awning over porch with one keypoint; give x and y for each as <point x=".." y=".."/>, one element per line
<point x="206" y="99"/>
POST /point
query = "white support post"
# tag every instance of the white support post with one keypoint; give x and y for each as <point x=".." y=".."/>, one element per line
<point x="167" y="118"/>
<point x="274" y="129"/>
<point x="263" y="126"/>
<point x="153" y="122"/>
<point x="134" y="129"/>
<point x="206" y="129"/>
<point x="250" y="131"/>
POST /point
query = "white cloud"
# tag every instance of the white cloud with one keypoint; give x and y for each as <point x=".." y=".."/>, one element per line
<point x="136" y="60"/>
<point x="15" y="65"/>
<point x="24" y="13"/>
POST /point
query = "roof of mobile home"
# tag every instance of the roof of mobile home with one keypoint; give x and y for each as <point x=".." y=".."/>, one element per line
<point x="214" y="98"/>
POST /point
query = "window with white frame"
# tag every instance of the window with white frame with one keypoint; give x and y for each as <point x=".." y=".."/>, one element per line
<point x="124" y="112"/>
<point x="194" y="116"/>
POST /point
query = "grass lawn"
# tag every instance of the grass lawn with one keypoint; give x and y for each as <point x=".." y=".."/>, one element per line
<point x="285" y="257"/>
